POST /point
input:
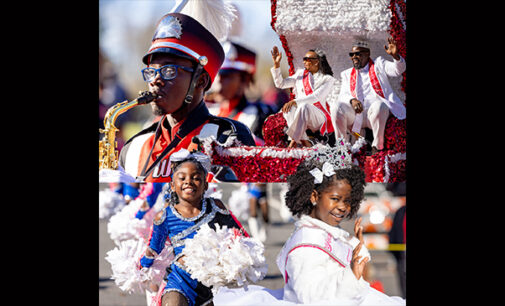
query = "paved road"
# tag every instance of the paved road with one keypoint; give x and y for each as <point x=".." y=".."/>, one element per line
<point x="278" y="231"/>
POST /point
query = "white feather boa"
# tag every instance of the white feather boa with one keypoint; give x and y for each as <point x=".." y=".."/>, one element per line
<point x="224" y="258"/>
<point x="124" y="262"/>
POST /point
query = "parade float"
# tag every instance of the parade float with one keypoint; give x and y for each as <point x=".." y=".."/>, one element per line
<point x="331" y="26"/>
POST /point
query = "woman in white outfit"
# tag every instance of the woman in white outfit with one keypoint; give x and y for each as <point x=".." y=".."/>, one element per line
<point x="311" y="87"/>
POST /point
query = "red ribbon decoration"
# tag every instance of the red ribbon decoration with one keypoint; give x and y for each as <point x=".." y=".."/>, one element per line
<point x="373" y="79"/>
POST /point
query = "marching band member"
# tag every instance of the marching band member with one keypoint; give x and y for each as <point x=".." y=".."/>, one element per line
<point x="229" y="99"/>
<point x="182" y="62"/>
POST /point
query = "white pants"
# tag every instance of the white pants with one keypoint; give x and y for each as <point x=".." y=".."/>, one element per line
<point x="301" y="117"/>
<point x="374" y="117"/>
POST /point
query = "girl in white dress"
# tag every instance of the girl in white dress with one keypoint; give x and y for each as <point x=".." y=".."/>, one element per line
<point x="320" y="262"/>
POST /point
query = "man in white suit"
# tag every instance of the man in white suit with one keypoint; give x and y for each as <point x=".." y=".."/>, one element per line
<point x="366" y="98"/>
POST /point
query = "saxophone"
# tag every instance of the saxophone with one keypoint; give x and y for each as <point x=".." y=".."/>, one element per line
<point x="107" y="154"/>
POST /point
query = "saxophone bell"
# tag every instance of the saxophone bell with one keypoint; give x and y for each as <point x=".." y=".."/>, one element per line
<point x="108" y="155"/>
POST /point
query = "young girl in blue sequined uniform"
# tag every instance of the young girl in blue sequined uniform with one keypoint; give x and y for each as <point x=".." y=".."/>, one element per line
<point x="186" y="211"/>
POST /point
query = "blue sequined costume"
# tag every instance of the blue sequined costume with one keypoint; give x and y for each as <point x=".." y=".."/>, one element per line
<point x="178" y="229"/>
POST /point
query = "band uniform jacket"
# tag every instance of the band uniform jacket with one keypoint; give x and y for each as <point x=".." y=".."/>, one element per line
<point x="133" y="154"/>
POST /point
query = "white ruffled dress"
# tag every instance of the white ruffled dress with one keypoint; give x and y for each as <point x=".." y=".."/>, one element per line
<point x="315" y="264"/>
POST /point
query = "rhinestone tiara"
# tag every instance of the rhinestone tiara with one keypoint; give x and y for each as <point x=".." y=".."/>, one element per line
<point x="339" y="156"/>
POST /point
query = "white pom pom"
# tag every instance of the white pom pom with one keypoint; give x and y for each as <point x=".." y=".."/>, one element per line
<point x="124" y="226"/>
<point x="124" y="262"/>
<point x="224" y="258"/>
<point x="109" y="203"/>
<point x="239" y="203"/>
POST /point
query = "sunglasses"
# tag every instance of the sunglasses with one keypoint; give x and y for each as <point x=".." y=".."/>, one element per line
<point x="309" y="58"/>
<point x="167" y="72"/>
<point x="357" y="53"/>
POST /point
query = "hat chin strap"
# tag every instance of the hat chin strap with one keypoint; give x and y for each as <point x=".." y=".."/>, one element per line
<point x="194" y="79"/>
<point x="189" y="95"/>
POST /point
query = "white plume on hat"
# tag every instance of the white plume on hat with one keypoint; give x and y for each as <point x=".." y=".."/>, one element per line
<point x="215" y="15"/>
<point x="236" y="25"/>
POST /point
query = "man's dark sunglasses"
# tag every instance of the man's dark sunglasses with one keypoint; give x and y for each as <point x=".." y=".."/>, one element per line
<point x="357" y="53"/>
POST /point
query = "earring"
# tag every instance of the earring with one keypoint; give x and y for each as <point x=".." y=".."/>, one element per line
<point x="314" y="203"/>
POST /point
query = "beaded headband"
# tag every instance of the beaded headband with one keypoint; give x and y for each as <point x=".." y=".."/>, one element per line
<point x="183" y="154"/>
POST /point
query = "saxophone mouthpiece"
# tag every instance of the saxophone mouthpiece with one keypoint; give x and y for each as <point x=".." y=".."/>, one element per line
<point x="145" y="97"/>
